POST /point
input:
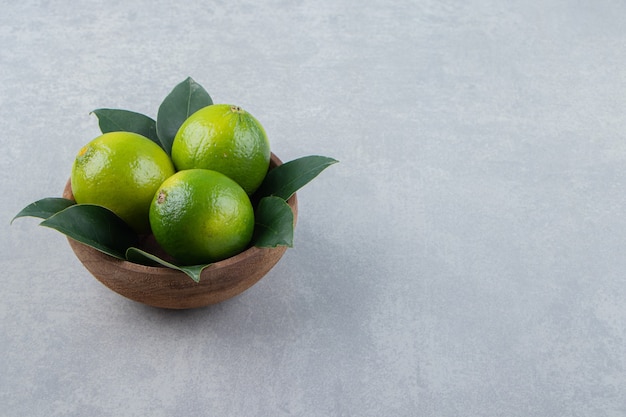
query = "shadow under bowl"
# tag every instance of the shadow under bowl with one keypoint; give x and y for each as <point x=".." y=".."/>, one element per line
<point x="169" y="288"/>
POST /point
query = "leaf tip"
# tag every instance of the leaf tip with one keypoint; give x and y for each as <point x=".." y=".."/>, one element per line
<point x="17" y="216"/>
<point x="96" y="112"/>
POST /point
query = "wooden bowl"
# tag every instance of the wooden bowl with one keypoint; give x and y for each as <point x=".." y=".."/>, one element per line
<point x="168" y="288"/>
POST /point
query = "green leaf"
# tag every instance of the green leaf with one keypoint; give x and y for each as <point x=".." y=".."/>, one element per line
<point x="284" y="180"/>
<point x="44" y="208"/>
<point x="273" y="223"/>
<point x="142" y="257"/>
<point x="116" y="120"/>
<point x="184" y="100"/>
<point x="94" y="226"/>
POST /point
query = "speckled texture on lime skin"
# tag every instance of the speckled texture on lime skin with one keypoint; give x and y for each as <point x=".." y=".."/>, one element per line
<point x="200" y="216"/>
<point x="121" y="171"/>
<point x="227" y="139"/>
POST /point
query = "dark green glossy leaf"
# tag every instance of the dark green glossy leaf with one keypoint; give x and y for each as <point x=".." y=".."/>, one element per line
<point x="116" y="120"/>
<point x="184" y="100"/>
<point x="274" y="223"/>
<point x="44" y="208"/>
<point x="284" y="180"/>
<point x="142" y="257"/>
<point x="94" y="226"/>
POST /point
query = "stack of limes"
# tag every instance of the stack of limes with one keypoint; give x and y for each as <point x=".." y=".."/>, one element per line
<point x="196" y="202"/>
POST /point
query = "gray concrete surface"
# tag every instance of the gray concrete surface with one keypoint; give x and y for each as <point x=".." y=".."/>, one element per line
<point x="465" y="258"/>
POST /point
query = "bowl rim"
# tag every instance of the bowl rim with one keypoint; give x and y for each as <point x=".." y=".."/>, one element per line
<point x="164" y="270"/>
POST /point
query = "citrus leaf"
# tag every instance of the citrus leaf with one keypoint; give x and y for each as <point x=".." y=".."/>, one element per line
<point x="94" y="226"/>
<point x="44" y="208"/>
<point x="184" y="100"/>
<point x="116" y="120"/>
<point x="142" y="257"/>
<point x="273" y="223"/>
<point x="284" y="180"/>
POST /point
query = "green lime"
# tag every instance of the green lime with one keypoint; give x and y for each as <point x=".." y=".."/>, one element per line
<point x="227" y="139"/>
<point x="201" y="216"/>
<point x="121" y="171"/>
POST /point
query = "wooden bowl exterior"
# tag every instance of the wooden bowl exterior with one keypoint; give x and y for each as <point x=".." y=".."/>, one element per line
<point x="168" y="288"/>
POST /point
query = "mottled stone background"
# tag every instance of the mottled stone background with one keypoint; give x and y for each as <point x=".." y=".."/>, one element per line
<point x="465" y="258"/>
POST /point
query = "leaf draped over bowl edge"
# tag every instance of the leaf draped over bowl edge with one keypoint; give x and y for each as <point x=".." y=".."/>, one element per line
<point x="79" y="225"/>
<point x="95" y="226"/>
<point x="118" y="120"/>
<point x="139" y="256"/>
<point x="273" y="223"/>
<point x="184" y="100"/>
<point x="273" y="216"/>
